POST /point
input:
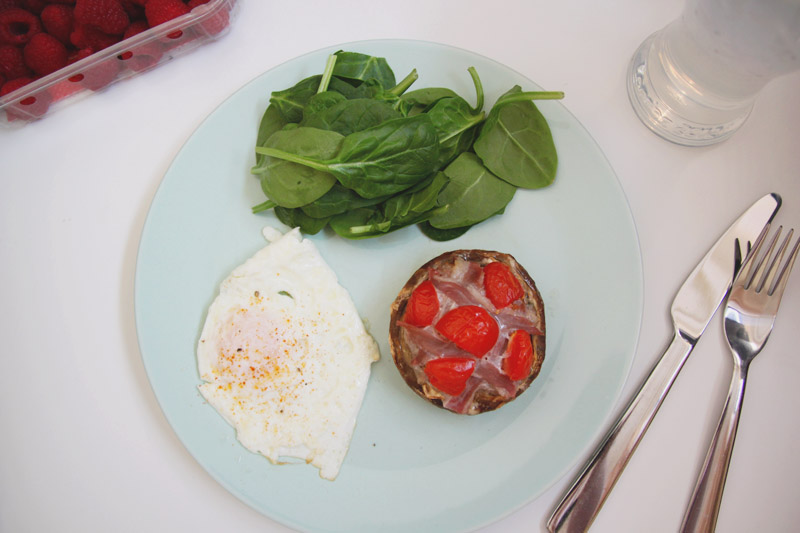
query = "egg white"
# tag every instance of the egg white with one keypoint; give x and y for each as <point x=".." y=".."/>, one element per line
<point x="284" y="356"/>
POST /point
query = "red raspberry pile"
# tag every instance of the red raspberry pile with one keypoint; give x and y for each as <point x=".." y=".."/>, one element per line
<point x="38" y="37"/>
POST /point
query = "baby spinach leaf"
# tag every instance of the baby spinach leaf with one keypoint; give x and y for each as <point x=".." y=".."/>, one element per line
<point x="515" y="143"/>
<point x="387" y="158"/>
<point x="271" y="121"/>
<point x="290" y="102"/>
<point x="456" y="122"/>
<point x="346" y="89"/>
<point x="456" y="125"/>
<point x="416" y="202"/>
<point x="360" y="67"/>
<point x="320" y="102"/>
<point x="344" y="223"/>
<point x="473" y="194"/>
<point x="352" y="149"/>
<point x="441" y="235"/>
<point x="420" y="99"/>
<point x="289" y="184"/>
<point x="399" y="211"/>
<point x="295" y="218"/>
<point x="338" y="200"/>
<point x="381" y="160"/>
<point x="350" y="116"/>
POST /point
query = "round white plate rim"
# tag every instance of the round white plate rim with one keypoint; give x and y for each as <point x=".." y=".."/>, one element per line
<point x="637" y="297"/>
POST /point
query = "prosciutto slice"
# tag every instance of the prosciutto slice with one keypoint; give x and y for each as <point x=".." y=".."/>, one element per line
<point x="460" y="282"/>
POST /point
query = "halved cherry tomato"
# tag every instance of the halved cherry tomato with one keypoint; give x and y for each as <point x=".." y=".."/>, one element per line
<point x="500" y="285"/>
<point x="518" y="358"/>
<point x="450" y="374"/>
<point x="471" y="328"/>
<point x="423" y="305"/>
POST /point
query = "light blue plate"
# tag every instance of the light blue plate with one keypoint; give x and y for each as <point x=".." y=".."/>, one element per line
<point x="411" y="466"/>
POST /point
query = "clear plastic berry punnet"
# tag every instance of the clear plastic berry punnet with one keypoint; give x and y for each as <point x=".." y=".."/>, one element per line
<point x="125" y="59"/>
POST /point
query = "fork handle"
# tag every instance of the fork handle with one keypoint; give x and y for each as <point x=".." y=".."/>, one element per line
<point x="701" y="514"/>
<point x="583" y="501"/>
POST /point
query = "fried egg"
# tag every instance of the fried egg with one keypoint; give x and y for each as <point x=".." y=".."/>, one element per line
<point x="284" y="356"/>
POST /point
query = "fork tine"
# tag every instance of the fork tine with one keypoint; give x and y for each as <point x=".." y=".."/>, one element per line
<point x="774" y="265"/>
<point x="746" y="272"/>
<point x="783" y="277"/>
<point x="760" y="273"/>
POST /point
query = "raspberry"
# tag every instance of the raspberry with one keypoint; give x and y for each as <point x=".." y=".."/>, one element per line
<point x="136" y="27"/>
<point x="100" y="75"/>
<point x="143" y="56"/>
<point x="17" y="26"/>
<point x="84" y="36"/>
<point x="135" y="11"/>
<point x="33" y="106"/>
<point x="108" y="16"/>
<point x="58" y="21"/>
<point x="12" y="63"/>
<point x="44" y="54"/>
<point x="161" y="11"/>
<point x="8" y="4"/>
<point x="13" y="85"/>
<point x="77" y="55"/>
<point x="34" y="6"/>
<point x="215" y="23"/>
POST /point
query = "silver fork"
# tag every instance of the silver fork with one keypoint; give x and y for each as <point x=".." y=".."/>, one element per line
<point x="749" y="316"/>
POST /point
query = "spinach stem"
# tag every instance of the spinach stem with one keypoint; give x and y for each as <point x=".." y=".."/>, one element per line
<point x="269" y="204"/>
<point x="478" y="89"/>
<point x="327" y="74"/>
<point x="476" y="119"/>
<point x="529" y="95"/>
<point x="388" y="225"/>
<point x="294" y="158"/>
<point x="382" y="227"/>
<point x="403" y="86"/>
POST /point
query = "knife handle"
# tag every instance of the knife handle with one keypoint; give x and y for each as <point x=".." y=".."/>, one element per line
<point x="583" y="500"/>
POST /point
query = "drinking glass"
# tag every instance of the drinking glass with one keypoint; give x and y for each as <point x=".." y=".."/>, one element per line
<point x="695" y="81"/>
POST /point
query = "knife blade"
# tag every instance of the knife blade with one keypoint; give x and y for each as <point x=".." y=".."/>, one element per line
<point x="695" y="303"/>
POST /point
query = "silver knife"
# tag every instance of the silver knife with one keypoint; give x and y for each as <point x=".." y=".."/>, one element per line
<point x="694" y="305"/>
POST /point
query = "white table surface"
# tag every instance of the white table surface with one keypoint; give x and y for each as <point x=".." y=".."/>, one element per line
<point x="83" y="443"/>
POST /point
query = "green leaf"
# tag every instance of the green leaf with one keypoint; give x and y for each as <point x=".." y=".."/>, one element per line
<point x="271" y="121"/>
<point x="344" y="223"/>
<point x="338" y="200"/>
<point x="350" y="116"/>
<point x="321" y="102"/>
<point x="289" y="184"/>
<point x="473" y="194"/>
<point x="420" y="99"/>
<point x="291" y="102"/>
<point x="387" y="158"/>
<point x="295" y="218"/>
<point x="456" y="125"/>
<point x="397" y="212"/>
<point x="516" y="144"/>
<point x="441" y="235"/>
<point x="362" y="67"/>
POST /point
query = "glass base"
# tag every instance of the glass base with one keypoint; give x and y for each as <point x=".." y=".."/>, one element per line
<point x="671" y="108"/>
